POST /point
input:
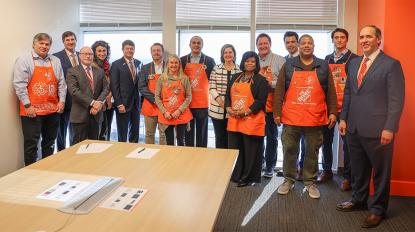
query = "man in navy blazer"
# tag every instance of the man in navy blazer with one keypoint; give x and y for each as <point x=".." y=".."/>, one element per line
<point x="123" y="83"/>
<point x="69" y="58"/>
<point x="372" y="106"/>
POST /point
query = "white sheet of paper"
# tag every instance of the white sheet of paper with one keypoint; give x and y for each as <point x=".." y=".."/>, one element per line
<point x="63" y="190"/>
<point x="124" y="198"/>
<point x="93" y="148"/>
<point x="143" y="153"/>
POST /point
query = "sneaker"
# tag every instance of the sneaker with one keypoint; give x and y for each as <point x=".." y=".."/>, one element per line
<point x="268" y="174"/>
<point x="285" y="187"/>
<point x="313" y="191"/>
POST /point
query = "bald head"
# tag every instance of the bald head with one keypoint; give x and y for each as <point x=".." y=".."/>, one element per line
<point x="86" y="56"/>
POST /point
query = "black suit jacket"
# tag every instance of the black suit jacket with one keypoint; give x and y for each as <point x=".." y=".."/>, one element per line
<point x="124" y="90"/>
<point x="82" y="96"/>
<point x="378" y="103"/>
<point x="66" y="64"/>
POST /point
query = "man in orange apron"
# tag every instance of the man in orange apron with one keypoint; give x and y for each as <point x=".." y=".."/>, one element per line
<point x="305" y="101"/>
<point x="270" y="66"/>
<point x="41" y="89"/>
<point x="338" y="63"/>
<point x="197" y="66"/>
<point x="148" y="77"/>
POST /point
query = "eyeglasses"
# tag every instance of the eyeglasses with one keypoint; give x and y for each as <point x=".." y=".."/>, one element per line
<point x="86" y="54"/>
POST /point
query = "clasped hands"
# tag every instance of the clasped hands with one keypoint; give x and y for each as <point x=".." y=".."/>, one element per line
<point x="173" y="115"/>
<point x="240" y="113"/>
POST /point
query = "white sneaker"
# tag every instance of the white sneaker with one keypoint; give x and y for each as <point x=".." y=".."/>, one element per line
<point x="285" y="187"/>
<point x="313" y="191"/>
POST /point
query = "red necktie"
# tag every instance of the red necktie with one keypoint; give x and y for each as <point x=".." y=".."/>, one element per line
<point x="90" y="78"/>
<point x="362" y="72"/>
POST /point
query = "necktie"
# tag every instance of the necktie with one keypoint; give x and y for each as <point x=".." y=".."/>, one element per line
<point x="362" y="72"/>
<point x="90" y="78"/>
<point x="132" y="70"/>
<point x="73" y="60"/>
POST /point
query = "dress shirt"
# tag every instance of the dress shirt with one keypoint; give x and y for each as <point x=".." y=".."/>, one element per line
<point x="277" y="62"/>
<point x="69" y="54"/>
<point x="23" y="71"/>
<point x="371" y="57"/>
<point x="195" y="59"/>
<point x="336" y="58"/>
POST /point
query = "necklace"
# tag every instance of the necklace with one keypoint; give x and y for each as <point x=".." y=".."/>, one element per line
<point x="246" y="78"/>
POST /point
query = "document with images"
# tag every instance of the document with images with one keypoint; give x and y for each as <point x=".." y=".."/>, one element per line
<point x="124" y="198"/>
<point x="63" y="190"/>
<point x="93" y="148"/>
<point x="143" y="153"/>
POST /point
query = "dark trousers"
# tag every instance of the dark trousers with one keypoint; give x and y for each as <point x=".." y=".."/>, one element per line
<point x="221" y="134"/>
<point x="87" y="130"/>
<point x="128" y="123"/>
<point x="45" y="127"/>
<point x="271" y="132"/>
<point x="327" y="148"/>
<point x="248" y="164"/>
<point x="347" y="171"/>
<point x="62" y="129"/>
<point x="367" y="155"/>
<point x="105" y="132"/>
<point x="200" y="118"/>
<point x="302" y="152"/>
<point x="180" y="131"/>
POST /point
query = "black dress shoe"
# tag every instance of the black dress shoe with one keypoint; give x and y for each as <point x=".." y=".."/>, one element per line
<point x="372" y="220"/>
<point x="243" y="183"/>
<point x="349" y="206"/>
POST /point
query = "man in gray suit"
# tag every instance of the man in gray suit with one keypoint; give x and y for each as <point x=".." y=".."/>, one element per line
<point x="88" y="88"/>
<point x="372" y="106"/>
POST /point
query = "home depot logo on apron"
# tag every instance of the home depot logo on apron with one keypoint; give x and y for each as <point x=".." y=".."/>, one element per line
<point x="147" y="108"/>
<point x="42" y="91"/>
<point x="339" y="76"/>
<point x="266" y="71"/>
<point x="241" y="97"/>
<point x="305" y="101"/>
<point x="199" y="83"/>
<point x="172" y="97"/>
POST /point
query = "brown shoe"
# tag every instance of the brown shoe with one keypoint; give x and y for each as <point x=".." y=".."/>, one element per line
<point x="299" y="174"/>
<point x="372" y="220"/>
<point x="324" y="177"/>
<point x="345" y="185"/>
<point x="349" y="206"/>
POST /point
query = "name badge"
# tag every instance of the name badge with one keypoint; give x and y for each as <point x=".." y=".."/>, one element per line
<point x="269" y="69"/>
<point x="204" y="67"/>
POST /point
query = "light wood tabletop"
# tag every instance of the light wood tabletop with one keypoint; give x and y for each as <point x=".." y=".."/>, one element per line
<point x="185" y="189"/>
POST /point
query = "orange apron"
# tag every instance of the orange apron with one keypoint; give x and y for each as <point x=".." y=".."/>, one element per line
<point x="42" y="90"/>
<point x="266" y="71"/>
<point x="147" y="108"/>
<point x="172" y="97"/>
<point x="241" y="97"/>
<point x="305" y="101"/>
<point x="339" y="76"/>
<point x="199" y="83"/>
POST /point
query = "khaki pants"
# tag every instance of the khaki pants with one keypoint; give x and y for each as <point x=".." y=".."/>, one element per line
<point x="313" y="138"/>
<point x="150" y="123"/>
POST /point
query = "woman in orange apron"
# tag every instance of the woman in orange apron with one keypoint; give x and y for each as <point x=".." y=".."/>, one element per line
<point x="173" y="95"/>
<point x="245" y="103"/>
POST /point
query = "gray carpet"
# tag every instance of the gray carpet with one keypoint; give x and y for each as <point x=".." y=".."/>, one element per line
<point x="261" y="208"/>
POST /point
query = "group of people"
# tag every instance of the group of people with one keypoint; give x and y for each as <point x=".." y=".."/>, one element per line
<point x="245" y="102"/>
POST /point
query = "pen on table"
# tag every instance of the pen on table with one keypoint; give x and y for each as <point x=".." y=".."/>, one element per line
<point x="87" y="146"/>
<point x="141" y="150"/>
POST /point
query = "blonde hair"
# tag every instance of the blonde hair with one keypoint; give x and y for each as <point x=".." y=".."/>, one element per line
<point x="166" y="70"/>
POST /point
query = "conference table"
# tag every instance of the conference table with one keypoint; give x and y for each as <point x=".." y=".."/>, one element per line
<point x="185" y="188"/>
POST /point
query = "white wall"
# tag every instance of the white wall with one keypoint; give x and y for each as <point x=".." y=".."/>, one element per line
<point x="21" y="20"/>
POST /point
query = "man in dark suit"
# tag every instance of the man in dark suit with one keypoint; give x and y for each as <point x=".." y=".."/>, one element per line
<point x="89" y="88"/>
<point x="197" y="66"/>
<point x="123" y="83"/>
<point x="69" y="58"/>
<point x="372" y="106"/>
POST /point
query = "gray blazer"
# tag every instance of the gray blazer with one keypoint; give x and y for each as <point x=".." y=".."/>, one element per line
<point x="377" y="105"/>
<point x="82" y="96"/>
